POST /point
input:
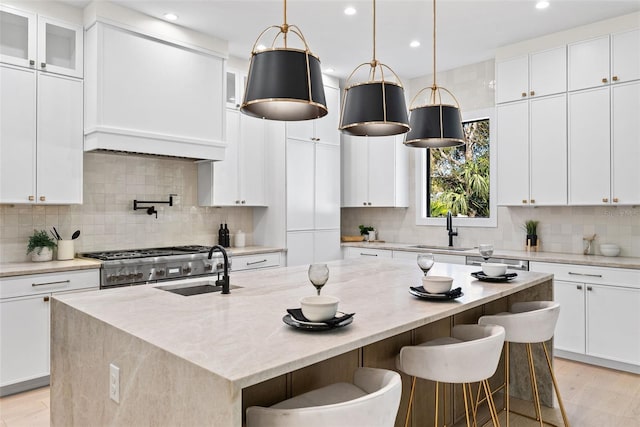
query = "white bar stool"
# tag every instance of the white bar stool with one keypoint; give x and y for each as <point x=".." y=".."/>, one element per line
<point x="528" y="323"/>
<point x="470" y="355"/>
<point x="371" y="401"/>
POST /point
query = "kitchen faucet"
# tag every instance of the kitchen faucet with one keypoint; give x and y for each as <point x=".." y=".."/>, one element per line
<point x="224" y="282"/>
<point x="450" y="230"/>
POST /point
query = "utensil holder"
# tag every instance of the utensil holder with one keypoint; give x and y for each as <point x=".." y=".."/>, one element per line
<point x="65" y="249"/>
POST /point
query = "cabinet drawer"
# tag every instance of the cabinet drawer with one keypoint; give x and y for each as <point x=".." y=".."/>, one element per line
<point x="588" y="274"/>
<point x="47" y="283"/>
<point x="364" y="252"/>
<point x="250" y="262"/>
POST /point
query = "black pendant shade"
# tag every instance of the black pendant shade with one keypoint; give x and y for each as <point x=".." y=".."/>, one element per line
<point x="284" y="84"/>
<point x="435" y="126"/>
<point x="375" y="108"/>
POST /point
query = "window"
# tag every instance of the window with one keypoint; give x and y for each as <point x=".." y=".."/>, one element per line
<point x="459" y="179"/>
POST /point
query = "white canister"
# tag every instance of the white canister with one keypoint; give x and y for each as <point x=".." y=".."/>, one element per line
<point x="239" y="240"/>
<point x="65" y="250"/>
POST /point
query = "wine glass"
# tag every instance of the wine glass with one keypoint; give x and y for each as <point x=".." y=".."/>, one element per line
<point x="425" y="262"/>
<point x="486" y="250"/>
<point x="318" y="275"/>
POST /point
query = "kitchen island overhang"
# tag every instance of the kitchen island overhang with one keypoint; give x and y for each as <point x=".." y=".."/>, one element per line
<point x="188" y="359"/>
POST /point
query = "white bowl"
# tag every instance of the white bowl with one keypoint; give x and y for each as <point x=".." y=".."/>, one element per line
<point x="318" y="308"/>
<point x="609" y="249"/>
<point x="437" y="284"/>
<point x="493" y="269"/>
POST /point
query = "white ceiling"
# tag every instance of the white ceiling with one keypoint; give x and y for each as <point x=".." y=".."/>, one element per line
<point x="468" y="31"/>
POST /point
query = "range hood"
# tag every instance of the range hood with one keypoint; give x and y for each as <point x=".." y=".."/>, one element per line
<point x="146" y="95"/>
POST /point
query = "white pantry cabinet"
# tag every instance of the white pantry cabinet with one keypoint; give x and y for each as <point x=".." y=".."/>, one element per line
<point x="374" y="172"/>
<point x="532" y="152"/>
<point x="239" y="179"/>
<point x="24" y="324"/>
<point x="625" y="143"/>
<point x="40" y="137"/>
<point x="322" y="130"/>
<point x="537" y="74"/>
<point x="599" y="307"/>
<point x="313" y="246"/>
<point x="604" y="60"/>
<point x="39" y="42"/>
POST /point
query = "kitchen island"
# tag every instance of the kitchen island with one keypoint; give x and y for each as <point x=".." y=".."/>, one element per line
<point x="200" y="360"/>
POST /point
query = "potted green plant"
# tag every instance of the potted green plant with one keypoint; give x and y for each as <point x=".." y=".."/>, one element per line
<point x="531" y="227"/>
<point x="40" y="246"/>
<point x="364" y="230"/>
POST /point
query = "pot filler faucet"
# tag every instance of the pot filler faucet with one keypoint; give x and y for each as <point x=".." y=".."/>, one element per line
<point x="224" y="282"/>
<point x="450" y="230"/>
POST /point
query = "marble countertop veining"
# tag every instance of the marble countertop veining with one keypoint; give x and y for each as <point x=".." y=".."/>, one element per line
<point x="555" y="257"/>
<point x="241" y="337"/>
<point x="9" y="269"/>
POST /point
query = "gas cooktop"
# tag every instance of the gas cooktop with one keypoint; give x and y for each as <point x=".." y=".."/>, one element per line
<point x="146" y="253"/>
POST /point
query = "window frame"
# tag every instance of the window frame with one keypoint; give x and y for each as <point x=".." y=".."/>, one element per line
<point x="421" y="179"/>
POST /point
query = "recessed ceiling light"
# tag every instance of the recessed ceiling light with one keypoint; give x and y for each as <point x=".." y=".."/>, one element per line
<point x="261" y="47"/>
<point x="170" y="16"/>
<point x="414" y="43"/>
<point x="542" y="4"/>
<point x="329" y="70"/>
<point x="350" y="11"/>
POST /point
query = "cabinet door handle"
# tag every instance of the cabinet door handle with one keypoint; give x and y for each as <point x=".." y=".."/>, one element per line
<point x="615" y="200"/>
<point x="533" y="200"/>
<point x="524" y="201"/>
<point x="614" y="78"/>
<point x="363" y="254"/>
<point x="43" y="65"/>
<point x="31" y="198"/>
<point x="579" y="287"/>
<point x="604" y="80"/>
<point x="605" y="200"/>
<point x="32" y="62"/>
<point x="589" y="288"/>
<point x="51" y="283"/>
<point x="42" y="198"/>
<point x="45" y="299"/>
<point x="584" y="274"/>
<point x="532" y="93"/>
<point x="257" y="262"/>
<point x="524" y="94"/>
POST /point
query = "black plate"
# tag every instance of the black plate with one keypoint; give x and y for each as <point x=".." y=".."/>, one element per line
<point x="421" y="293"/>
<point x="504" y="278"/>
<point x="314" y="326"/>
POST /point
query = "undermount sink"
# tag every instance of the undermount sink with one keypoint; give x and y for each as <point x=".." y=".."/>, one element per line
<point x="443" y="248"/>
<point x="194" y="288"/>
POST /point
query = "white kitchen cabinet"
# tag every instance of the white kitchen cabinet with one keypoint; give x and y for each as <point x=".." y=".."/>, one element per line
<point x="625" y="146"/>
<point x="300" y="248"/>
<point x="532" y="152"/>
<point x="323" y="129"/>
<point x="236" y="82"/>
<point x="24" y="324"/>
<point x="374" y="172"/>
<point x="441" y="258"/>
<point x="326" y="245"/>
<point x="255" y="261"/>
<point x="239" y="179"/>
<point x="40" y="42"/>
<point x="604" y="60"/>
<point x="598" y="306"/>
<point x="327" y="184"/>
<point x="537" y="74"/>
<point x="41" y="137"/>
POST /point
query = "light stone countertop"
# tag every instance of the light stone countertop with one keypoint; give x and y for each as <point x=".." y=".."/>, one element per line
<point x="241" y="337"/>
<point x="9" y="269"/>
<point x="562" y="258"/>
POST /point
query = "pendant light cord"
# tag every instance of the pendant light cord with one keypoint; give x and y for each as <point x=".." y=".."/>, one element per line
<point x="434" y="44"/>
<point x="285" y="26"/>
<point x="374" y="33"/>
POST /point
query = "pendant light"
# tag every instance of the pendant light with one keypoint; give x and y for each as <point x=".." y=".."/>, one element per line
<point x="375" y="107"/>
<point x="284" y="83"/>
<point x="434" y="124"/>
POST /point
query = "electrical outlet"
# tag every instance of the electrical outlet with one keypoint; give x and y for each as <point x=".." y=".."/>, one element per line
<point x="114" y="383"/>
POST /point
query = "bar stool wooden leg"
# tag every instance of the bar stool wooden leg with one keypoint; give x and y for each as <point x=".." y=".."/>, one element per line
<point x="466" y="406"/>
<point x="555" y="386"/>
<point x="490" y="403"/>
<point x="413" y="387"/>
<point x="534" y="385"/>
<point x="436" y="419"/>
<point x="507" y="362"/>
<point x="474" y="408"/>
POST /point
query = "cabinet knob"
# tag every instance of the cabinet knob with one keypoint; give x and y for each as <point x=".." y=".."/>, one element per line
<point x="42" y="198"/>
<point x="243" y="202"/>
<point x="369" y="203"/>
<point x="589" y="288"/>
<point x="533" y="200"/>
<point x="604" y="80"/>
<point x="579" y="287"/>
<point x="364" y="203"/>
<point x="614" y="78"/>
<point x="615" y="200"/>
<point x="524" y="201"/>
<point x="524" y="94"/>
<point x="43" y="65"/>
<point x="532" y="93"/>
<point x="605" y="200"/>
<point x="31" y="198"/>
<point x="45" y="299"/>
<point x="32" y="62"/>
<point x="237" y="202"/>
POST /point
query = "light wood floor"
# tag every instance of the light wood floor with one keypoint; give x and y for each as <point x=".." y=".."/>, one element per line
<point x="593" y="397"/>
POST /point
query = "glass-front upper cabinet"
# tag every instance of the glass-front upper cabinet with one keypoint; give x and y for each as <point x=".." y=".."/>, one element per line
<point x="17" y="37"/>
<point x="39" y="42"/>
